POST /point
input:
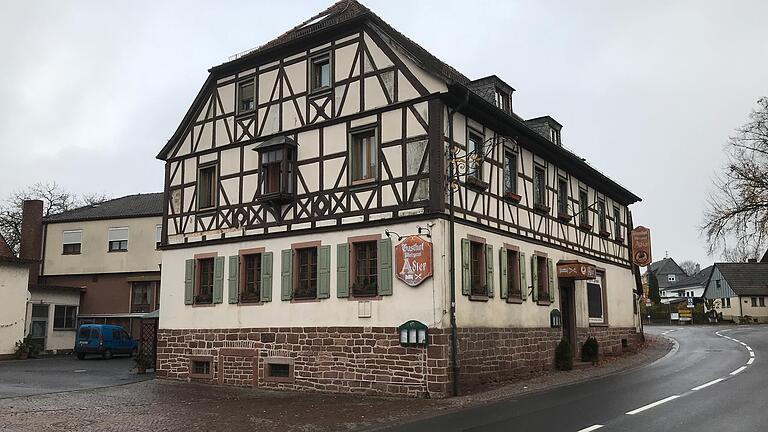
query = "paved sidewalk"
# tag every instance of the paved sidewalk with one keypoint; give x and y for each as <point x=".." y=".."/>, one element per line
<point x="176" y="406"/>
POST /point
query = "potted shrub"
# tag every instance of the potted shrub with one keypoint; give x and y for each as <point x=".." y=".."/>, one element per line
<point x="22" y="349"/>
<point x="590" y="351"/>
<point x="564" y="355"/>
<point x="143" y="362"/>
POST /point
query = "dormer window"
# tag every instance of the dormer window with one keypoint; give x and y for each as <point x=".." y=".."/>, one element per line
<point x="502" y="100"/>
<point x="554" y="135"/>
<point x="277" y="173"/>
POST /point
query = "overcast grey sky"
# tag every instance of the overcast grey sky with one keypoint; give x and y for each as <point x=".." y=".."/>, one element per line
<point x="647" y="91"/>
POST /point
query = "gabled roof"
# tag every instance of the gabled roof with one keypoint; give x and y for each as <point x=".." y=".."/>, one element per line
<point x="5" y="250"/>
<point x="746" y="279"/>
<point x="699" y="279"/>
<point x="347" y="14"/>
<point x="131" y="206"/>
<point x="665" y="266"/>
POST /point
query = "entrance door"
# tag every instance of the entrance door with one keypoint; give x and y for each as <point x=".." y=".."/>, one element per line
<point x="568" y="310"/>
<point x="39" y="325"/>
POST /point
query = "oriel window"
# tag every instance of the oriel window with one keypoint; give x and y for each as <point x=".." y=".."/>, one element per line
<point x="246" y="96"/>
<point x="206" y="187"/>
<point x="364" y="153"/>
<point x="277" y="174"/>
<point x="320" y="72"/>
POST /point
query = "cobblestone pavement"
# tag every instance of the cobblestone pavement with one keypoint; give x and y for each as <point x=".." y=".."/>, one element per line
<point x="176" y="406"/>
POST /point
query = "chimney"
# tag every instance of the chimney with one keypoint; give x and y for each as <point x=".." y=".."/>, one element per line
<point x="32" y="236"/>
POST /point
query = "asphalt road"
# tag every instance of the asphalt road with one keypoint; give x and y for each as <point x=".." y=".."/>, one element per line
<point x="64" y="373"/>
<point x="699" y="386"/>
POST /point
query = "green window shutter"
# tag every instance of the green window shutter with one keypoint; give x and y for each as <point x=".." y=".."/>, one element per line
<point x="286" y="277"/>
<point x="384" y="259"/>
<point x="503" y="272"/>
<point x="218" y="279"/>
<point x="233" y="280"/>
<point x="523" y="280"/>
<point x="465" y="276"/>
<point x="324" y="272"/>
<point x="551" y="273"/>
<point x="535" y="278"/>
<point x="189" y="281"/>
<point x="342" y="270"/>
<point x="489" y="270"/>
<point x="266" y="276"/>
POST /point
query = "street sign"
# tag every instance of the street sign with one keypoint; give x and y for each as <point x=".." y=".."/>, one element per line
<point x="640" y="238"/>
<point x="690" y="303"/>
<point x="413" y="260"/>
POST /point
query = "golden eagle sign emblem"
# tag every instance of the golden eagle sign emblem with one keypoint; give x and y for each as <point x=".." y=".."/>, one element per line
<point x="413" y="260"/>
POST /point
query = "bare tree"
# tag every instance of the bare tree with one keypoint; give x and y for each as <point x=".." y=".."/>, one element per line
<point x="54" y="198"/>
<point x="690" y="267"/>
<point x="736" y="216"/>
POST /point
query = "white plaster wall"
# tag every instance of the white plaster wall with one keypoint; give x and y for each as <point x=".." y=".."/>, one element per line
<point x="94" y="257"/>
<point x="496" y="312"/>
<point x="425" y="303"/>
<point x="13" y="291"/>
<point x="747" y="308"/>
<point x="55" y="339"/>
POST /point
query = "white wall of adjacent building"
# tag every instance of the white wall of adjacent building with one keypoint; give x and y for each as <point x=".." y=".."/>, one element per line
<point x="13" y="290"/>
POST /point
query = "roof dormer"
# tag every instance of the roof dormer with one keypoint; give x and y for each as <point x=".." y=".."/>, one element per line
<point x="495" y="91"/>
<point x="547" y="127"/>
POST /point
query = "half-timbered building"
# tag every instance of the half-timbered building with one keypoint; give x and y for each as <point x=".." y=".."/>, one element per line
<point x="302" y="165"/>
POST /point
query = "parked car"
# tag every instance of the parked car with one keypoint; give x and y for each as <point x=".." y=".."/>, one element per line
<point x="105" y="340"/>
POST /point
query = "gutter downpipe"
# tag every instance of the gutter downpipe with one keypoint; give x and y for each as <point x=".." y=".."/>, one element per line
<point x="451" y="234"/>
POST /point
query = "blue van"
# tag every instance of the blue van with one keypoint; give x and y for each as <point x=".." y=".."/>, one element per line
<point x="105" y="340"/>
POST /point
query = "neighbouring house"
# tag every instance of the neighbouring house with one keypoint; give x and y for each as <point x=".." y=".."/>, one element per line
<point x="14" y="277"/>
<point x="739" y="291"/>
<point x="692" y="286"/>
<point x="307" y="235"/>
<point x="98" y="264"/>
<point x="667" y="272"/>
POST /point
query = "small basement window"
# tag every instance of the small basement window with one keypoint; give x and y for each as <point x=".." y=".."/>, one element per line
<point x="277" y="173"/>
<point x="201" y="367"/>
<point x="278" y="370"/>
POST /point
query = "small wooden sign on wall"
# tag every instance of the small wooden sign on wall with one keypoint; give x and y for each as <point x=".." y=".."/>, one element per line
<point x="413" y="260"/>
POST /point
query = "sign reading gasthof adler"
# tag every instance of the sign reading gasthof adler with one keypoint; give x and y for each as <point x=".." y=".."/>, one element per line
<point x="413" y="260"/>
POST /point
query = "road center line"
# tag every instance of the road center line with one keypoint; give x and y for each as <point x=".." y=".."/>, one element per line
<point x="713" y="382"/>
<point x="651" y="405"/>
<point x="750" y="361"/>
<point x="751" y="353"/>
<point x="591" y="428"/>
<point x="738" y="370"/>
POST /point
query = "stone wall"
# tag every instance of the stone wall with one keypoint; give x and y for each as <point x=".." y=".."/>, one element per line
<point x="331" y="359"/>
<point x="496" y="355"/>
<point x="370" y="360"/>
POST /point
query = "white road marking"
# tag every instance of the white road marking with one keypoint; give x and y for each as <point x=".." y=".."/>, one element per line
<point x="749" y="348"/>
<point x="590" y="429"/>
<point x="750" y="361"/>
<point x="738" y="370"/>
<point x="751" y="353"/>
<point x="651" y="405"/>
<point x="713" y="382"/>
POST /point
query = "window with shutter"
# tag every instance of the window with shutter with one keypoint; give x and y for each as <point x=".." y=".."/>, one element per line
<point x="477" y="268"/>
<point x="306" y="273"/>
<point x="204" y="279"/>
<point x="250" y="283"/>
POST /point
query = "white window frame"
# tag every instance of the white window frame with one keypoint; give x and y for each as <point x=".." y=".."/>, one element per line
<point x="158" y="235"/>
<point x="671" y="278"/>
<point x="79" y="241"/>
<point x="599" y="280"/>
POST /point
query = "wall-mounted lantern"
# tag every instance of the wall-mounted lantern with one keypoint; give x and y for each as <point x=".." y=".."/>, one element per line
<point x="413" y="333"/>
<point x="555" y="319"/>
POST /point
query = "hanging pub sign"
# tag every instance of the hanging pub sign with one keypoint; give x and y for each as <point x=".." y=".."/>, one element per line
<point x="413" y="260"/>
<point x="641" y="246"/>
<point x="574" y="269"/>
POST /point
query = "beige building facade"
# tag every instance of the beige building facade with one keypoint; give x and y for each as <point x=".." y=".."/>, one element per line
<point x="14" y="276"/>
<point x="302" y="166"/>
